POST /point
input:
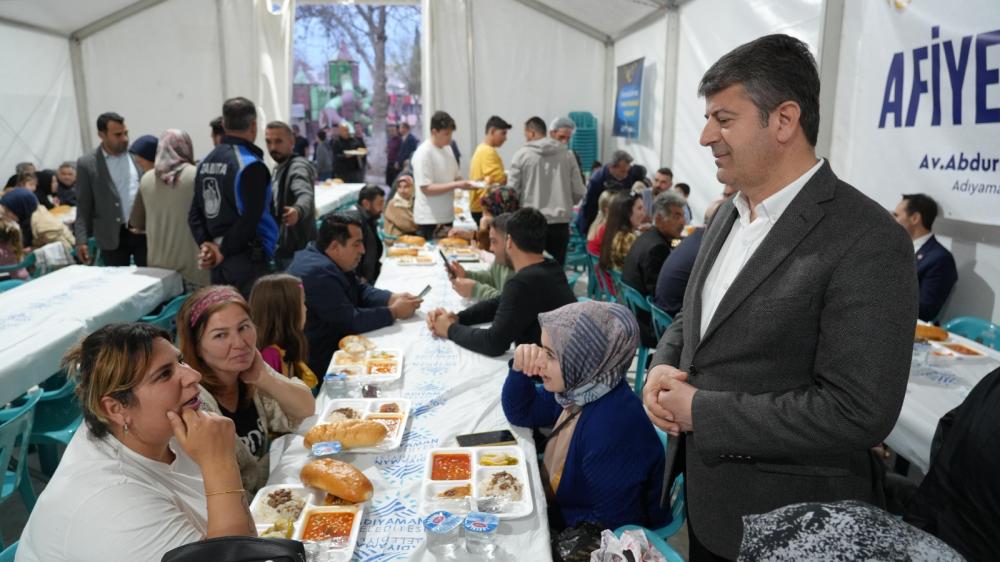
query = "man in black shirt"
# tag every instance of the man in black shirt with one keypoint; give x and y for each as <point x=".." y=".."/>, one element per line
<point x="538" y="285"/>
<point x="371" y="201"/>
<point x="347" y="166"/>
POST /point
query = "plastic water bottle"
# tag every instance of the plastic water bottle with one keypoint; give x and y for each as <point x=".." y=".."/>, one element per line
<point x="442" y="530"/>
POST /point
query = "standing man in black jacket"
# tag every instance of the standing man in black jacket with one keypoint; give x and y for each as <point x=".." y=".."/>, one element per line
<point x="371" y="201"/>
<point x="295" y="178"/>
<point x="538" y="285"/>
<point x="347" y="167"/>
<point x="232" y="216"/>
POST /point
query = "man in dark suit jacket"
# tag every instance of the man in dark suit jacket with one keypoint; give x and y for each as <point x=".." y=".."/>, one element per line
<point x="107" y="181"/>
<point x="338" y="303"/>
<point x="650" y="250"/>
<point x="790" y="357"/>
<point x="936" y="271"/>
<point x="671" y="283"/>
<point x="407" y="147"/>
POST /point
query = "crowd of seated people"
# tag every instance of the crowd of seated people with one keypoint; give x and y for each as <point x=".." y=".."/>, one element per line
<point x="177" y="438"/>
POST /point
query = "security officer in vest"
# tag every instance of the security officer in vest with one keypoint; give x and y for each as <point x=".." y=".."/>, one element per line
<point x="232" y="214"/>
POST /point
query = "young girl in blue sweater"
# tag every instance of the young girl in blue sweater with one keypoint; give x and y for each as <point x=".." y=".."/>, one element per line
<point x="603" y="461"/>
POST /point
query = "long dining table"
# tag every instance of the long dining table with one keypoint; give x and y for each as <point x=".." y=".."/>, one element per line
<point x="937" y="384"/>
<point x="453" y="391"/>
<point x="45" y="317"/>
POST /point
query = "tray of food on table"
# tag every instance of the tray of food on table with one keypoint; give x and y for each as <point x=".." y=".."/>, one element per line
<point x="326" y="507"/>
<point x="360" y="359"/>
<point x="361" y="425"/>
<point x="486" y="479"/>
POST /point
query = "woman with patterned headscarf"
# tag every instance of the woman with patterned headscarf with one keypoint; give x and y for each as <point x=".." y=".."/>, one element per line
<point x="603" y="460"/>
<point x="161" y="209"/>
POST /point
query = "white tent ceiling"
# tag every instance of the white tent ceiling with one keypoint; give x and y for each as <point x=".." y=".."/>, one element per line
<point x="52" y="15"/>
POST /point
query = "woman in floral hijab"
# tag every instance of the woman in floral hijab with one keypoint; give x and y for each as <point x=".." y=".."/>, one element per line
<point x="603" y="460"/>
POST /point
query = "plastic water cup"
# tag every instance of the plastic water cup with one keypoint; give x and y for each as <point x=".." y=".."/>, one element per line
<point x="442" y="530"/>
<point x="480" y="533"/>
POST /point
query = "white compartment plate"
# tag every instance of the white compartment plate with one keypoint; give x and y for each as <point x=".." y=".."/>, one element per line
<point x="368" y="407"/>
<point x="357" y="509"/>
<point x="357" y="370"/>
<point x="480" y="474"/>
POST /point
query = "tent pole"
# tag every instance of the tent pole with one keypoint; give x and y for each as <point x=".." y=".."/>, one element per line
<point x="471" y="61"/>
<point x="829" y="64"/>
<point x="32" y="27"/>
<point x="428" y="81"/>
<point x="220" y="32"/>
<point x="80" y="91"/>
<point x="609" y="101"/>
<point x="115" y="17"/>
<point x="673" y="23"/>
<point x="568" y="20"/>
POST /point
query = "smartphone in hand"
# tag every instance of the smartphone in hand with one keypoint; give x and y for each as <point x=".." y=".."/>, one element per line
<point x="447" y="264"/>
<point x="423" y="293"/>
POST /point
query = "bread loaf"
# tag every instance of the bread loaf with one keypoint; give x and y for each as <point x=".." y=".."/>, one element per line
<point x="399" y="251"/>
<point x="350" y="433"/>
<point x="450" y="241"/>
<point x="350" y="342"/>
<point x="337" y="478"/>
<point x="928" y="332"/>
<point x="411" y="239"/>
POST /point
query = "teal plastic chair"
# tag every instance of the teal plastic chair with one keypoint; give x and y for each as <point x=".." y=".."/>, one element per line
<point x="661" y="320"/>
<point x="616" y="283"/>
<point x="658" y="537"/>
<point x="636" y="302"/>
<point x="15" y="431"/>
<point x="576" y="250"/>
<point x="27" y="263"/>
<point x="10" y="284"/>
<point x="167" y="317"/>
<point x="976" y="329"/>
<point x="57" y="417"/>
<point x="8" y="553"/>
<point x="602" y="280"/>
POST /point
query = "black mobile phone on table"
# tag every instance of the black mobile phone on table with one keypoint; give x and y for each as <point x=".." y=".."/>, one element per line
<point x="502" y="437"/>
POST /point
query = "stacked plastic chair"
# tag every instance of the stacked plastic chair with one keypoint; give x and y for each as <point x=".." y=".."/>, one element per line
<point x="584" y="140"/>
<point x="15" y="430"/>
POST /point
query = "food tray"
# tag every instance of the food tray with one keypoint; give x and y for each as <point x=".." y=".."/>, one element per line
<point x="368" y="369"/>
<point x="480" y="475"/>
<point x="314" y="503"/>
<point x="945" y="351"/>
<point x="421" y="260"/>
<point x="369" y="408"/>
<point x="462" y="254"/>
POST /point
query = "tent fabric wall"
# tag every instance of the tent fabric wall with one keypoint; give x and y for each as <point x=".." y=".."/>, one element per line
<point x="38" y="116"/>
<point x="704" y="38"/>
<point x="163" y="67"/>
<point x="509" y="42"/>
<point x="649" y="42"/>
<point x="172" y="81"/>
<point x="509" y="80"/>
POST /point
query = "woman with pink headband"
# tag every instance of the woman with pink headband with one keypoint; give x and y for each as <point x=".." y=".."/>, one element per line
<point x="218" y="339"/>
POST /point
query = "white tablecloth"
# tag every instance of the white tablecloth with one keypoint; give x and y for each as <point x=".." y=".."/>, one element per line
<point x="330" y="197"/>
<point x="40" y="320"/>
<point x="933" y="390"/>
<point x="454" y="391"/>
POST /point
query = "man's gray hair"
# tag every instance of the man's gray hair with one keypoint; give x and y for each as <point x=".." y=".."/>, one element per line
<point x="22" y="167"/>
<point x="562" y="123"/>
<point x="67" y="164"/>
<point x="667" y="199"/>
<point x="620" y="156"/>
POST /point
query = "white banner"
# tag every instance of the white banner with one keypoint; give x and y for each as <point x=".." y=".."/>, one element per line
<point x="926" y="107"/>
